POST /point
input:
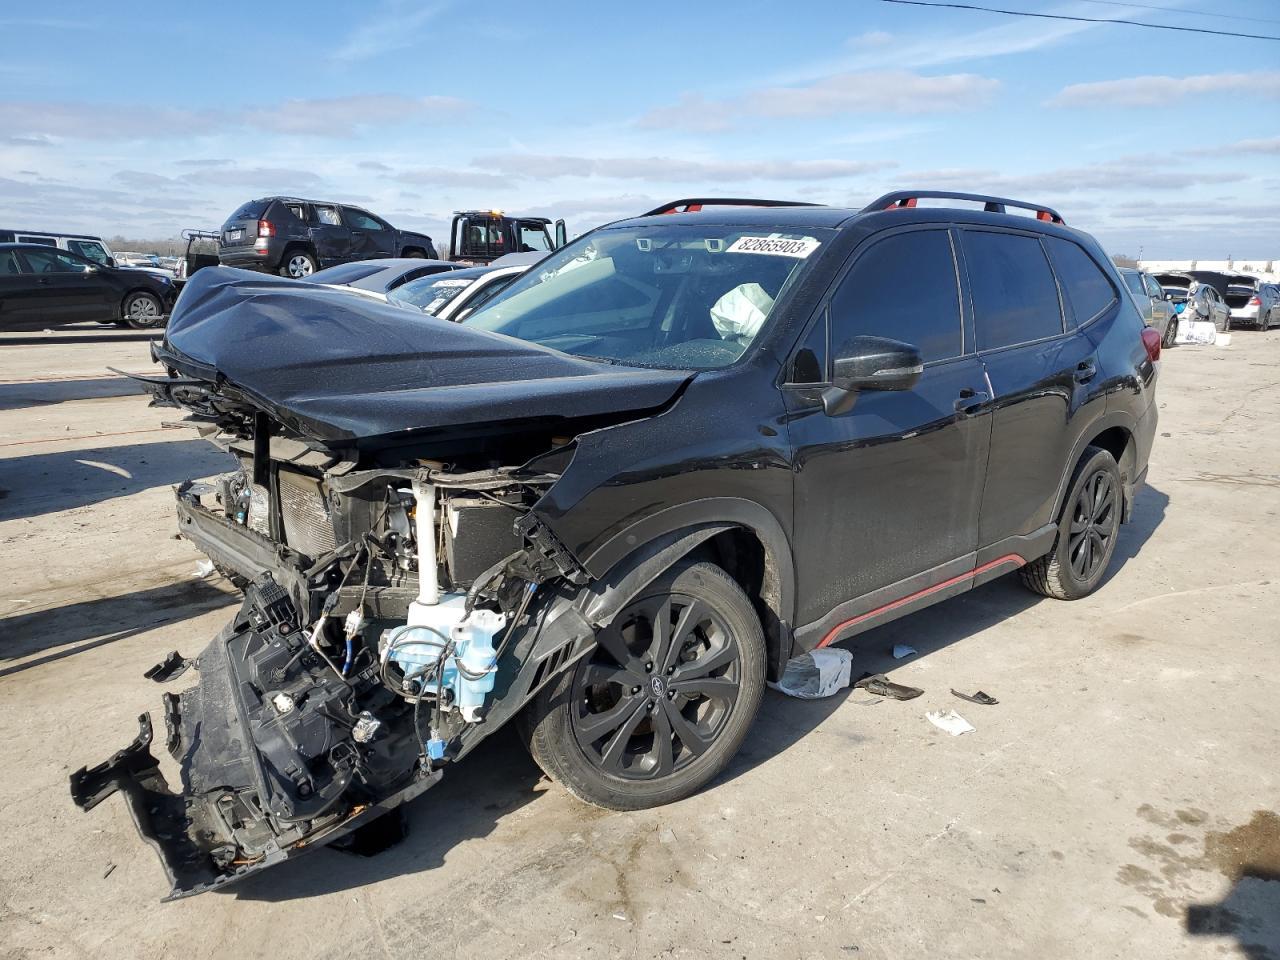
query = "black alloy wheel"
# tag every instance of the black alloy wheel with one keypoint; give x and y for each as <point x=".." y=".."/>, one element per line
<point x="663" y="701"/>
<point x="661" y="686"/>
<point x="1088" y="529"/>
<point x="1094" y="521"/>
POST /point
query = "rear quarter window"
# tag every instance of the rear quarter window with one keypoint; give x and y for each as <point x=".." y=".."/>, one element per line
<point x="1087" y="289"/>
<point x="1015" y="298"/>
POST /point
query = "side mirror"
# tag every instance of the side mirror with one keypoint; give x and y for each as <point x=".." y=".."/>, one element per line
<point x="111" y="262"/>
<point x="1168" y="296"/>
<point x="870" y="363"/>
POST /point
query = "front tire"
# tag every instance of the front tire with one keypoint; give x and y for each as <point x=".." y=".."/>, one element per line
<point x="663" y="702"/>
<point x="1170" y="334"/>
<point x="1087" y="532"/>
<point x="298" y="265"/>
<point x="142" y="310"/>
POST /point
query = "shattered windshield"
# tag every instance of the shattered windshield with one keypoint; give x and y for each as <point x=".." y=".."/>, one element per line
<point x="668" y="295"/>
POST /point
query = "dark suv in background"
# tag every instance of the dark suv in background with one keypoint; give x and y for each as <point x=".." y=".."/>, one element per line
<point x="295" y="238"/>
<point x="616" y="498"/>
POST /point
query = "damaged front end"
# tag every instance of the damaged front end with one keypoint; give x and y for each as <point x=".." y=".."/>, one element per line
<point x="349" y="677"/>
<point x="402" y="600"/>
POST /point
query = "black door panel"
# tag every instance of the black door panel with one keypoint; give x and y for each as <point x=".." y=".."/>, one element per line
<point x="1044" y="398"/>
<point x="889" y="489"/>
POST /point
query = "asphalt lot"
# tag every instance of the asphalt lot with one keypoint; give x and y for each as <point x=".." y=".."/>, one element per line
<point x="1122" y="799"/>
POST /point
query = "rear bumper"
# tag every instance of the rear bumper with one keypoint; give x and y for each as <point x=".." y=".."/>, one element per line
<point x="251" y="258"/>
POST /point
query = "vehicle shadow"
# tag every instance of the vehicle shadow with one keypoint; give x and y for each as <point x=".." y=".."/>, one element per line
<point x="497" y="778"/>
<point x="501" y="777"/>
<point x="38" y="393"/>
<point x="24" y="634"/>
<point x="49" y="482"/>
<point x="1149" y="508"/>
<point x="86" y="334"/>
<point x="1250" y="913"/>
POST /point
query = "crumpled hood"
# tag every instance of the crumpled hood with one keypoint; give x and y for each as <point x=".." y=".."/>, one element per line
<point x="340" y="367"/>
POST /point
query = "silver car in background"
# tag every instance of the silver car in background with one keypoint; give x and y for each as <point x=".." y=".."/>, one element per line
<point x="1255" y="303"/>
<point x="1153" y="303"/>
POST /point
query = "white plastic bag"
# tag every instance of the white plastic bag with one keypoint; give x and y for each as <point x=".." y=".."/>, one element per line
<point x="817" y="674"/>
<point x="741" y="312"/>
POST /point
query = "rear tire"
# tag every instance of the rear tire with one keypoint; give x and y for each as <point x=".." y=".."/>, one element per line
<point x="142" y="310"/>
<point x="298" y="265"/>
<point x="1087" y="532"/>
<point x="665" y="700"/>
<point x="1170" y="334"/>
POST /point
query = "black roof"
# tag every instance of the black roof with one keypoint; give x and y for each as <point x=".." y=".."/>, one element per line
<point x="791" y="214"/>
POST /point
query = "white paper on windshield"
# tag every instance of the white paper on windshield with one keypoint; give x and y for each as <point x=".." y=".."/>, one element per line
<point x="464" y="282"/>
<point x="775" y="246"/>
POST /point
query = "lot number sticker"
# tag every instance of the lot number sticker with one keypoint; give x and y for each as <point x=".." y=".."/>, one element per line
<point x="775" y="246"/>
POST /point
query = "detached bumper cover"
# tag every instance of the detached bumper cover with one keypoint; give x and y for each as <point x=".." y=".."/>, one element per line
<point x="238" y="811"/>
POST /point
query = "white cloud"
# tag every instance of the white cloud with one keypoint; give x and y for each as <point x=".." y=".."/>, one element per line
<point x="872" y="38"/>
<point x="34" y="120"/>
<point x="668" y="169"/>
<point x="1154" y="91"/>
<point x="885" y="91"/>
<point x="341" y="116"/>
<point x="451" y="177"/>
<point x="394" y="25"/>
<point x="1264" y="145"/>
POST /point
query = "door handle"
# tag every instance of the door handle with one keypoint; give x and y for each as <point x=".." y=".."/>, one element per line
<point x="42" y="281"/>
<point x="970" y="400"/>
<point x="1086" y="370"/>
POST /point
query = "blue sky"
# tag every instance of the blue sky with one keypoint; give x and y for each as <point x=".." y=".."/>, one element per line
<point x="141" y="119"/>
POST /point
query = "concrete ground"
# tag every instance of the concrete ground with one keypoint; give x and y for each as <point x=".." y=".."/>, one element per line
<point x="1122" y="799"/>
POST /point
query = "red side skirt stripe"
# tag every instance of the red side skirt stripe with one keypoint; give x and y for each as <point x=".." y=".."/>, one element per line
<point x="1011" y="558"/>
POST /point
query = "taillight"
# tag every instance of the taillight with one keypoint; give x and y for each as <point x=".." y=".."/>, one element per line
<point x="1254" y="301"/>
<point x="265" y="229"/>
<point x="1151" y="340"/>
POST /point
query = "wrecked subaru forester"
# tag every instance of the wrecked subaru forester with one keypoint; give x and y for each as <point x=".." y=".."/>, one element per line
<point x="608" y="504"/>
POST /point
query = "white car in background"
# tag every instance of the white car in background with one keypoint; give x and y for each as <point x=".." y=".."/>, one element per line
<point x="453" y="295"/>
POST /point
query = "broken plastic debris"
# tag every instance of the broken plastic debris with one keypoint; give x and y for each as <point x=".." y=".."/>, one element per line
<point x="983" y="698"/>
<point x="901" y="650"/>
<point x="881" y="686"/>
<point x="817" y="674"/>
<point x="951" y="722"/>
<point x="204" y="568"/>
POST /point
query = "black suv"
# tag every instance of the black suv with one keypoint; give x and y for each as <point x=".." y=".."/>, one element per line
<point x="295" y="238"/>
<point x="41" y="286"/>
<point x="614" y="500"/>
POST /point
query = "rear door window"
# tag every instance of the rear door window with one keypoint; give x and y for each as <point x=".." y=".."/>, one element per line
<point x="1087" y="289"/>
<point x="1015" y="298"/>
<point x="903" y="288"/>
<point x="327" y="216"/>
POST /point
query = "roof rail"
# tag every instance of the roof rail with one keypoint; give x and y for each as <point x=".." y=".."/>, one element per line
<point x="694" y="204"/>
<point x="905" y="199"/>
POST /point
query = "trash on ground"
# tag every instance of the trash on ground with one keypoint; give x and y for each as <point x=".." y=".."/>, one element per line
<point x="881" y="686"/>
<point x="901" y="650"/>
<point x="1196" y="332"/>
<point x="204" y="568"/>
<point x="950" y="721"/>
<point x="817" y="674"/>
<point x="983" y="698"/>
